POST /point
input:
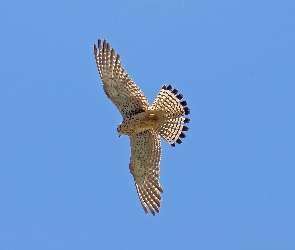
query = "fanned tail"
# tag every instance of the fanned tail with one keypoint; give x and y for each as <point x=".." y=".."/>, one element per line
<point x="173" y="126"/>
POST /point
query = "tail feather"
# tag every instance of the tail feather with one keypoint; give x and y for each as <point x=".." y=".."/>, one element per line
<point x="173" y="126"/>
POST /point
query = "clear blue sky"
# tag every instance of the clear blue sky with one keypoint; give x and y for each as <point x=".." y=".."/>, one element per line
<point x="64" y="174"/>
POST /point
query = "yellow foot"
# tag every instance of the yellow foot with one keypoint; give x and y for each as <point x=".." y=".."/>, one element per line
<point x="152" y="119"/>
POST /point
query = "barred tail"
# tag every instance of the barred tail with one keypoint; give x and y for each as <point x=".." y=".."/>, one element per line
<point x="168" y="101"/>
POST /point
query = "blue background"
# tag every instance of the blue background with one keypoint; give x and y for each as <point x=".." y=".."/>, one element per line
<point x="64" y="175"/>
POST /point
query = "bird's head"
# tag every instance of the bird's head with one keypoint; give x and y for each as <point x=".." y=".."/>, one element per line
<point x="119" y="129"/>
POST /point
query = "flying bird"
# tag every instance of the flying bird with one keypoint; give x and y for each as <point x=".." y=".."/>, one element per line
<point x="144" y="124"/>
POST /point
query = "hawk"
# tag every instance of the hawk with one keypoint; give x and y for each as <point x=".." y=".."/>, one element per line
<point x="144" y="124"/>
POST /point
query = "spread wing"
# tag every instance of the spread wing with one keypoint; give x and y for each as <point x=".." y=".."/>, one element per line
<point x="145" y="167"/>
<point x="118" y="86"/>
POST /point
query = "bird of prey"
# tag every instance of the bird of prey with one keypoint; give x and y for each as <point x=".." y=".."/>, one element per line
<point x="144" y="124"/>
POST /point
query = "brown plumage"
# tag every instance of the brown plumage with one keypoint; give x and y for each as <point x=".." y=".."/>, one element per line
<point x="144" y="124"/>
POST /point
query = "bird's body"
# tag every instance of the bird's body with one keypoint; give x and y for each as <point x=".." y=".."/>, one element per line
<point x="144" y="124"/>
<point x="141" y="121"/>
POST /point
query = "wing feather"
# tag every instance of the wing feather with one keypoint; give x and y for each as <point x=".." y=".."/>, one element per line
<point x="145" y="167"/>
<point x="118" y="86"/>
